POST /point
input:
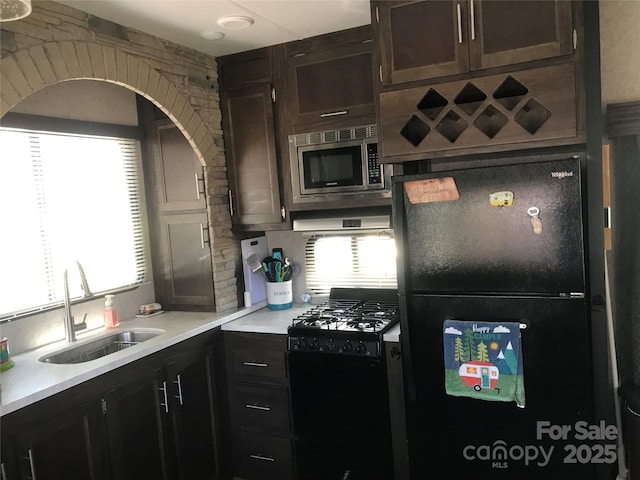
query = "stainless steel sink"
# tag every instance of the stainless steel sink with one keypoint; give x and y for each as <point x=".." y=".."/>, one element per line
<point x="100" y="347"/>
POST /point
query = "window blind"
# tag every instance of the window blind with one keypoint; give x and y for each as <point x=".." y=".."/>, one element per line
<point x="67" y="198"/>
<point x="361" y="260"/>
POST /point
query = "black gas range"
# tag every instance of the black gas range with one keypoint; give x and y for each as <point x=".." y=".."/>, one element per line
<point x="335" y="358"/>
<point x="351" y="322"/>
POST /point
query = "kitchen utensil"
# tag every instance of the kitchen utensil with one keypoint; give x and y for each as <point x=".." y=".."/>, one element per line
<point x="253" y="261"/>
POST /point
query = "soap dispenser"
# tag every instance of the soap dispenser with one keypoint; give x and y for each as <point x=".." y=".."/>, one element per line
<point x="110" y="312"/>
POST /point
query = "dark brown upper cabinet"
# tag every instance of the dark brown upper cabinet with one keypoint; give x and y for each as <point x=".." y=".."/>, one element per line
<point x="178" y="172"/>
<point x="247" y="98"/>
<point x="250" y="144"/>
<point x="422" y="40"/>
<point x="330" y="81"/>
<point x="178" y="218"/>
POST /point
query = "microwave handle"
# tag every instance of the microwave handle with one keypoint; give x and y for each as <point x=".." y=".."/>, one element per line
<point x="334" y="114"/>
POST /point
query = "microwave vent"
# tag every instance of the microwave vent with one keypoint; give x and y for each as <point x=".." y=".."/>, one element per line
<point x="333" y="136"/>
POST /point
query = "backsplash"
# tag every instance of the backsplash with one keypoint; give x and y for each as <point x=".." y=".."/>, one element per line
<point x="41" y="329"/>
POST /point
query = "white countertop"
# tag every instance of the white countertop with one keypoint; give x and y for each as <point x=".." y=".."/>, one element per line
<point x="267" y="321"/>
<point x="31" y="380"/>
<point x="393" y="334"/>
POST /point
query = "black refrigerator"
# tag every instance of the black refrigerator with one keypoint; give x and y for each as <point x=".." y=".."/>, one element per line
<point x="490" y="247"/>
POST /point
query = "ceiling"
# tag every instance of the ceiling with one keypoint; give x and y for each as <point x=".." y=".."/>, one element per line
<point x="186" y="21"/>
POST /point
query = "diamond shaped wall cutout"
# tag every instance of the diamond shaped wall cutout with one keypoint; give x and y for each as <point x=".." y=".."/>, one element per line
<point x="432" y="104"/>
<point x="470" y="98"/>
<point x="490" y="121"/>
<point x="510" y="92"/>
<point x="451" y="126"/>
<point x="415" y="130"/>
<point x="532" y="116"/>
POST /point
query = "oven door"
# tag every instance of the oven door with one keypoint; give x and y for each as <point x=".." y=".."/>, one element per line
<point x="340" y="417"/>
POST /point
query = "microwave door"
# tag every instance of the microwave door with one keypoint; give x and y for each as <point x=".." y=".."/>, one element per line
<point x="331" y="168"/>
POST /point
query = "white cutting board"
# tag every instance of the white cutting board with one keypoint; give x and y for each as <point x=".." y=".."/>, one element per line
<point x="254" y="283"/>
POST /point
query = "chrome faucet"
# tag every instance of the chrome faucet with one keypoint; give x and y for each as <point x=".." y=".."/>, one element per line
<point x="69" y="325"/>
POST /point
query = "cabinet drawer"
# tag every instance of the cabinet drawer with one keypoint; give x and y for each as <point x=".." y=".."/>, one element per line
<point x="260" y="457"/>
<point x="264" y="409"/>
<point x="257" y="357"/>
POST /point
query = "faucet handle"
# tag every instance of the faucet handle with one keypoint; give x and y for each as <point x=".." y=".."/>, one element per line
<point x="80" y="326"/>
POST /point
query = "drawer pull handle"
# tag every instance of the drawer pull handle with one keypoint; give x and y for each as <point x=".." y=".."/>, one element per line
<point x="258" y="456"/>
<point x="163" y="389"/>
<point x="255" y="364"/>
<point x="334" y="114"/>
<point x="258" y="407"/>
<point x="32" y="465"/>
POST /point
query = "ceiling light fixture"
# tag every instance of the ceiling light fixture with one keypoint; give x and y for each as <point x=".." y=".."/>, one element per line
<point x="212" y="35"/>
<point x="235" y="22"/>
<point x="14" y="9"/>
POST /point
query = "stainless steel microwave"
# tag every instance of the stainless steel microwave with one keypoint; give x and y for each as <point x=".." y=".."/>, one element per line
<point x="331" y="164"/>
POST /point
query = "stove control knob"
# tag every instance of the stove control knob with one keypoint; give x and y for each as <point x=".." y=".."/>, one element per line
<point x="361" y="348"/>
<point x="347" y="347"/>
<point x="313" y="344"/>
<point x="331" y="345"/>
<point x="302" y="344"/>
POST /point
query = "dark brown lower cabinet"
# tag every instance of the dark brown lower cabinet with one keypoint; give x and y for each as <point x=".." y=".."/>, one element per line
<point x="68" y="446"/>
<point x="262" y="457"/>
<point x="137" y="427"/>
<point x="259" y="404"/>
<point x="193" y="420"/>
<point x="155" y="418"/>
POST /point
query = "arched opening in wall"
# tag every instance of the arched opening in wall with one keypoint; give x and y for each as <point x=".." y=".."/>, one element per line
<point x="97" y="111"/>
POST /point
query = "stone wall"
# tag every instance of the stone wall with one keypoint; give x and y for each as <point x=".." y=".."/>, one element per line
<point x="57" y="43"/>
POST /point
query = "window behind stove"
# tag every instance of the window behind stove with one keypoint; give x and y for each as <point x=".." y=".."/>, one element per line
<point x="358" y="260"/>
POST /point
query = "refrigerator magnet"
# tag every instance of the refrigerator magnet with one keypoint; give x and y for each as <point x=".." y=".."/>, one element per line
<point x="501" y="199"/>
<point x="431" y="190"/>
<point x="536" y="223"/>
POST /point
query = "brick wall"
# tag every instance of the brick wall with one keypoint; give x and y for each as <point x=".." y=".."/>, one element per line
<point x="58" y="43"/>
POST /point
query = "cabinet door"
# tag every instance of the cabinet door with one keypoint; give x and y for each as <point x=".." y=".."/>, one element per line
<point x="137" y="420"/>
<point x="511" y="32"/>
<point x="421" y="40"/>
<point x="68" y="446"/>
<point x="192" y="412"/>
<point x="249" y="134"/>
<point x="331" y="81"/>
<point x="184" y="271"/>
<point x="177" y="172"/>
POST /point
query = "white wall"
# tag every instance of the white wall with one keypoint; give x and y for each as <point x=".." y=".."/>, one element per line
<point x="620" y="50"/>
<point x="88" y="100"/>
